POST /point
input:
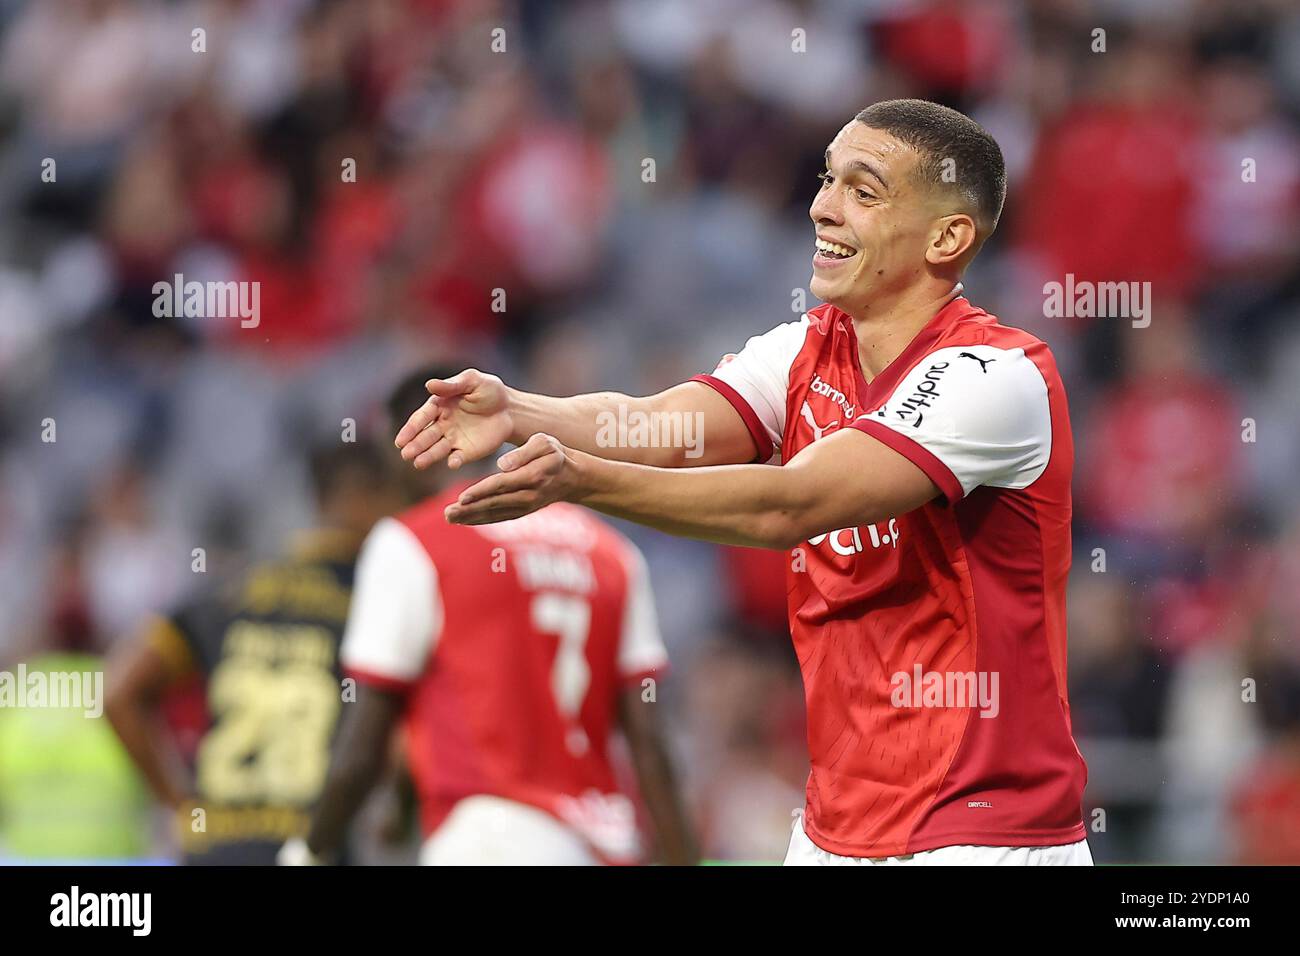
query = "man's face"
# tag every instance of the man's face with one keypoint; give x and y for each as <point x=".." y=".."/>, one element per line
<point x="871" y="205"/>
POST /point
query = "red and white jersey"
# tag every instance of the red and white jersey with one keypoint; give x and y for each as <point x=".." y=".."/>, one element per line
<point x="514" y="641"/>
<point x="932" y="644"/>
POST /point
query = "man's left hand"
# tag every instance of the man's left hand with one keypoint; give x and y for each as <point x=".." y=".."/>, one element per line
<point x="534" y="475"/>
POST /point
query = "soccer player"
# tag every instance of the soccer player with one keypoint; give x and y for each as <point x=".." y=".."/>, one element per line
<point x="923" y="493"/>
<point x="510" y="653"/>
<point x="268" y="652"/>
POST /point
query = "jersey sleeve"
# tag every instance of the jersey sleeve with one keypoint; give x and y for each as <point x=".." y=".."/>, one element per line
<point x="969" y="415"/>
<point x="192" y="637"/>
<point x="756" y="381"/>
<point x="396" y="612"/>
<point x="171" y="638"/>
<point x="641" y="647"/>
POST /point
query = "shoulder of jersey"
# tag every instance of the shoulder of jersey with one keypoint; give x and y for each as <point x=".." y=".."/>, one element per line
<point x="975" y="327"/>
<point x="978" y="327"/>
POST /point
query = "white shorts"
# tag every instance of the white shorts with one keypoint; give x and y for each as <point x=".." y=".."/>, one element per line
<point x="492" y="831"/>
<point x="803" y="852"/>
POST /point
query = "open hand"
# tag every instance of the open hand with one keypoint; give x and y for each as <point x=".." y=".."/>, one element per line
<point x="534" y="475"/>
<point x="466" y="417"/>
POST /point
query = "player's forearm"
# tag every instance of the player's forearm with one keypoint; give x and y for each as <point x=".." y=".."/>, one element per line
<point x="349" y="782"/>
<point x="757" y="506"/>
<point x="135" y="724"/>
<point x="657" y="781"/>
<point x="359" y="760"/>
<point x="588" y="423"/>
<point x="136" y="678"/>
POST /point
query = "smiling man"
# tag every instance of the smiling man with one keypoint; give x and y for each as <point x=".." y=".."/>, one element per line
<point x="923" y="492"/>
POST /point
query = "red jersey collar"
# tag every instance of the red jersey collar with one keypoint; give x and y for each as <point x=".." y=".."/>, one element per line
<point x="921" y="344"/>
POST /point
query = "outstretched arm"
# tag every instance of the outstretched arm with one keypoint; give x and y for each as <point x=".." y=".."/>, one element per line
<point x="472" y="414"/>
<point x="846" y="479"/>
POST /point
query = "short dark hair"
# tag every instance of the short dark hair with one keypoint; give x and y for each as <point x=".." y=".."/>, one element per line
<point x="344" y="466"/>
<point x="939" y="133"/>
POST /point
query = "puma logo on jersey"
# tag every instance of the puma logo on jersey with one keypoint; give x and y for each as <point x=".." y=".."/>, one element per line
<point x="984" y="363"/>
<point x="817" y="430"/>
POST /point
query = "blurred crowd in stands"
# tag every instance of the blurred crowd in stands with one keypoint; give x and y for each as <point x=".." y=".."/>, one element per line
<point x="1170" y="155"/>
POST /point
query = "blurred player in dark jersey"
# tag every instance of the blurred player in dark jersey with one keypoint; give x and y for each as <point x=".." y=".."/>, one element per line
<point x="267" y="650"/>
<point x="510" y="654"/>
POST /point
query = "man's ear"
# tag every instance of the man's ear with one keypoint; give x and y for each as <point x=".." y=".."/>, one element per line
<point x="953" y="240"/>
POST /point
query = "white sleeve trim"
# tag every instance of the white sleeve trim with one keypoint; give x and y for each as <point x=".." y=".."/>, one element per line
<point x="396" y="613"/>
<point x="760" y="373"/>
<point x="982" y="411"/>
<point x="640" y="646"/>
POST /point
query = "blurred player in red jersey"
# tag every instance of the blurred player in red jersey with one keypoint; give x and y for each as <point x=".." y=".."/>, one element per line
<point x="512" y="652"/>
<point x="924" y="495"/>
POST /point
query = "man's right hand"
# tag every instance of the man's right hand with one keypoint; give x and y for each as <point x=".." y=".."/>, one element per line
<point x="466" y="417"/>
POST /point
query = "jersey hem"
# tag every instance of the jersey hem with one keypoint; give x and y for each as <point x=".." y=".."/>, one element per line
<point x="757" y="432"/>
<point x="1001" y="838"/>
<point x="427" y="831"/>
